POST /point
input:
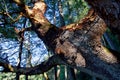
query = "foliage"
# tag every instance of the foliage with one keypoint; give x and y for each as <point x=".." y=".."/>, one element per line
<point x="73" y="10"/>
<point x="7" y="76"/>
<point x="8" y="32"/>
<point x="11" y="76"/>
<point x="114" y="40"/>
<point x="68" y="11"/>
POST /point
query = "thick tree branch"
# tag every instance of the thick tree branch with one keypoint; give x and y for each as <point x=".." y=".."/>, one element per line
<point x="109" y="10"/>
<point x="78" y="45"/>
<point x="39" y="69"/>
<point x="19" y="2"/>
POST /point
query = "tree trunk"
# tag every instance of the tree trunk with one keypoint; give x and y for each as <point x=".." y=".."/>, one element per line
<point x="55" y="71"/>
<point x="17" y="76"/>
<point x="70" y="74"/>
<point x="26" y="77"/>
<point x="46" y="76"/>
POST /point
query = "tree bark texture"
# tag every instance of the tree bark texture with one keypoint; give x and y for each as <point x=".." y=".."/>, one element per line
<point x="77" y="45"/>
<point x="109" y="10"/>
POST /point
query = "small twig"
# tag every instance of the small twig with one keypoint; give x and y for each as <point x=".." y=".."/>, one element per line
<point x="14" y="20"/>
<point x="7" y="13"/>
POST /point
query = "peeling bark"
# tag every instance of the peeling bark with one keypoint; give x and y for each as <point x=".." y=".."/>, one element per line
<point x="77" y="45"/>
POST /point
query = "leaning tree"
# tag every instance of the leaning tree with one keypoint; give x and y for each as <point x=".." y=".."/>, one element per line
<point x="77" y="45"/>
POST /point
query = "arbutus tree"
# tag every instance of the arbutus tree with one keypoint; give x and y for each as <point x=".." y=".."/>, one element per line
<point x="77" y="45"/>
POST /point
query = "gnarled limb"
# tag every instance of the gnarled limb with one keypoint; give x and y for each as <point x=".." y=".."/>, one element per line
<point x="80" y="48"/>
<point x="86" y="42"/>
